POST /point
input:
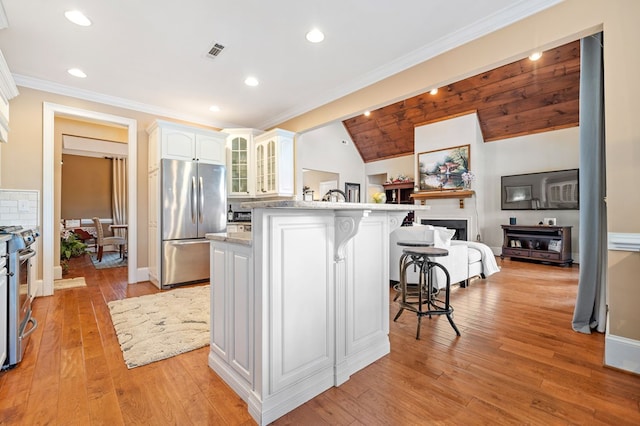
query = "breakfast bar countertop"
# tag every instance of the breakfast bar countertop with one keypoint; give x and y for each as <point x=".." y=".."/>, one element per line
<point x="327" y="205"/>
<point x="242" y="238"/>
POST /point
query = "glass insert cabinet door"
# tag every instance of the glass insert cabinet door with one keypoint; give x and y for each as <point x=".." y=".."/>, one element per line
<point x="239" y="165"/>
<point x="260" y="168"/>
<point x="266" y="164"/>
<point x="271" y="166"/>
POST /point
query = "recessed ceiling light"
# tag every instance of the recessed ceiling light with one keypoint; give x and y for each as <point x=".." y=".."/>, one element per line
<point x="315" y="36"/>
<point x="434" y="91"/>
<point x="367" y="113"/>
<point x="77" y="18"/>
<point x="251" y="81"/>
<point x="214" y="108"/>
<point x="535" y="56"/>
<point x="77" y="72"/>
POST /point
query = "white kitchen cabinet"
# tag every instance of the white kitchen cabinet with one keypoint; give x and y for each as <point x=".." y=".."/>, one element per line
<point x="4" y="119"/>
<point x="274" y="151"/>
<point x="210" y="148"/>
<point x="4" y="295"/>
<point x="180" y="142"/>
<point x="8" y="91"/>
<point x="241" y="168"/>
<point x="232" y="313"/>
<point x="153" y="232"/>
<point x="308" y="297"/>
<point x="177" y="144"/>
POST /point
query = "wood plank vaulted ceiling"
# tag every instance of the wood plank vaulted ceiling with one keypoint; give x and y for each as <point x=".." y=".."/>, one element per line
<point x="516" y="99"/>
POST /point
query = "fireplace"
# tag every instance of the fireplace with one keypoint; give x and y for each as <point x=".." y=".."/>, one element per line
<point x="459" y="225"/>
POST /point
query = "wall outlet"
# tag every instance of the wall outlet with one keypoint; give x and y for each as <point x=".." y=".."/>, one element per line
<point x="549" y="221"/>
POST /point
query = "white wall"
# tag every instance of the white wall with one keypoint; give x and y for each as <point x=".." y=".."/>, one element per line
<point x="541" y="152"/>
<point x="323" y="149"/>
<point x="463" y="130"/>
<point x="380" y="171"/>
<point x="392" y="167"/>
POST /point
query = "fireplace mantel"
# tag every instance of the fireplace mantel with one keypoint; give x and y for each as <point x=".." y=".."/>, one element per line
<point x="431" y="195"/>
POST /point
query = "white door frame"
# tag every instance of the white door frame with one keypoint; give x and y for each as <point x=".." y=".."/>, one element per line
<point x="50" y="230"/>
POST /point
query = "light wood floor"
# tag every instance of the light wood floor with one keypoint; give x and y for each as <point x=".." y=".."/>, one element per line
<point x="517" y="362"/>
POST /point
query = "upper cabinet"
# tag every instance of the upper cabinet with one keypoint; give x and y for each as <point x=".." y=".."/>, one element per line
<point x="260" y="164"/>
<point x="274" y="163"/>
<point x="240" y="162"/>
<point x="210" y="148"/>
<point x="179" y="142"/>
<point x="8" y="91"/>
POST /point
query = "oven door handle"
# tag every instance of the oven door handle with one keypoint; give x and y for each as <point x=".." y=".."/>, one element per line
<point x="26" y="254"/>
<point x="26" y="333"/>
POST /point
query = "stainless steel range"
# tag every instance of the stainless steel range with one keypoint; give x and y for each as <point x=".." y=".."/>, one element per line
<point x="20" y="323"/>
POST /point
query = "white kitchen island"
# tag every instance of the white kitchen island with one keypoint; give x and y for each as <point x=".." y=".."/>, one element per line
<point x="302" y="303"/>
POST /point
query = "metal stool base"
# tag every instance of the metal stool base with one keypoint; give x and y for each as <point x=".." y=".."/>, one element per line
<point x="420" y="298"/>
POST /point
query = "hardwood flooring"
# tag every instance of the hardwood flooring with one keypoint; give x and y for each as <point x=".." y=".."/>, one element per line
<point x="517" y="362"/>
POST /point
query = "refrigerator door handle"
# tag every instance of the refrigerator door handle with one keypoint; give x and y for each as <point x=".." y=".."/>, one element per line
<point x="201" y="198"/>
<point x="188" y="243"/>
<point x="194" y="200"/>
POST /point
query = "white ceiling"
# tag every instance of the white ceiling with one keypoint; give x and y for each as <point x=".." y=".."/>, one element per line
<point x="150" y="55"/>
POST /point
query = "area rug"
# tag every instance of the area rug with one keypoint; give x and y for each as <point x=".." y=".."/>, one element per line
<point x="69" y="283"/>
<point x="110" y="259"/>
<point x="158" y="326"/>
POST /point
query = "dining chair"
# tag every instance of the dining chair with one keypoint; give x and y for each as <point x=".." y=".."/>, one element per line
<point x="102" y="241"/>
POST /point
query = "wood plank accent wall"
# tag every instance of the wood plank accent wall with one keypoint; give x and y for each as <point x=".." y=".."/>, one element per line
<point x="516" y="99"/>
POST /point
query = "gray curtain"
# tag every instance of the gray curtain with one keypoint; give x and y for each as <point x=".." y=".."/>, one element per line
<point x="590" y="309"/>
<point x="119" y="194"/>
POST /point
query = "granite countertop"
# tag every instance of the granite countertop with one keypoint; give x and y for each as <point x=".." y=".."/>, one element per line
<point x="326" y="205"/>
<point x="242" y="238"/>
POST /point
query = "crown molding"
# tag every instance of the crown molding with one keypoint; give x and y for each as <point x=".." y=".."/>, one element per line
<point x="8" y="87"/>
<point x="60" y="89"/>
<point x="508" y="16"/>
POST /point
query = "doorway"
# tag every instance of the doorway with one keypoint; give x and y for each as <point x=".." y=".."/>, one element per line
<point x="92" y="184"/>
<point x="49" y="229"/>
<point x="319" y="181"/>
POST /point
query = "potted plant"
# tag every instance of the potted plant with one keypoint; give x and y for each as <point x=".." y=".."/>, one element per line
<point x="70" y="246"/>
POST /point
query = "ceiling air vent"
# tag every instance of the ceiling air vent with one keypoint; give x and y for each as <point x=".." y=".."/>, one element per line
<point x="216" y="50"/>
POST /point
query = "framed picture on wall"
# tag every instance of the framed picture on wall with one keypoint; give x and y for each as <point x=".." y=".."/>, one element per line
<point x="443" y="168"/>
<point x="352" y="191"/>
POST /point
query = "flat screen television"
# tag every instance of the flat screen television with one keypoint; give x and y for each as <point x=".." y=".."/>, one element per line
<point x="554" y="190"/>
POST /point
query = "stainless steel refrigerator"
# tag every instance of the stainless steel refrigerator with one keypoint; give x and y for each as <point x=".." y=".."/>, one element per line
<point x="194" y="198"/>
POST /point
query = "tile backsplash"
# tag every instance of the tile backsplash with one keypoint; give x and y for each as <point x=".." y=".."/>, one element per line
<point x="19" y="207"/>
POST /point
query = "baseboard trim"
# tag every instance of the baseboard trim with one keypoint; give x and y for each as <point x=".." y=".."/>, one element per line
<point x="57" y="272"/>
<point x="622" y="353"/>
<point x="142" y="274"/>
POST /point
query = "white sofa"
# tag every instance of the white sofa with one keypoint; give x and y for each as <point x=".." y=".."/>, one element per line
<point x="466" y="259"/>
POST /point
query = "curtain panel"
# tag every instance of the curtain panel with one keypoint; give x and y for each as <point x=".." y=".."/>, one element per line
<point x="119" y="199"/>
<point x="590" y="308"/>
